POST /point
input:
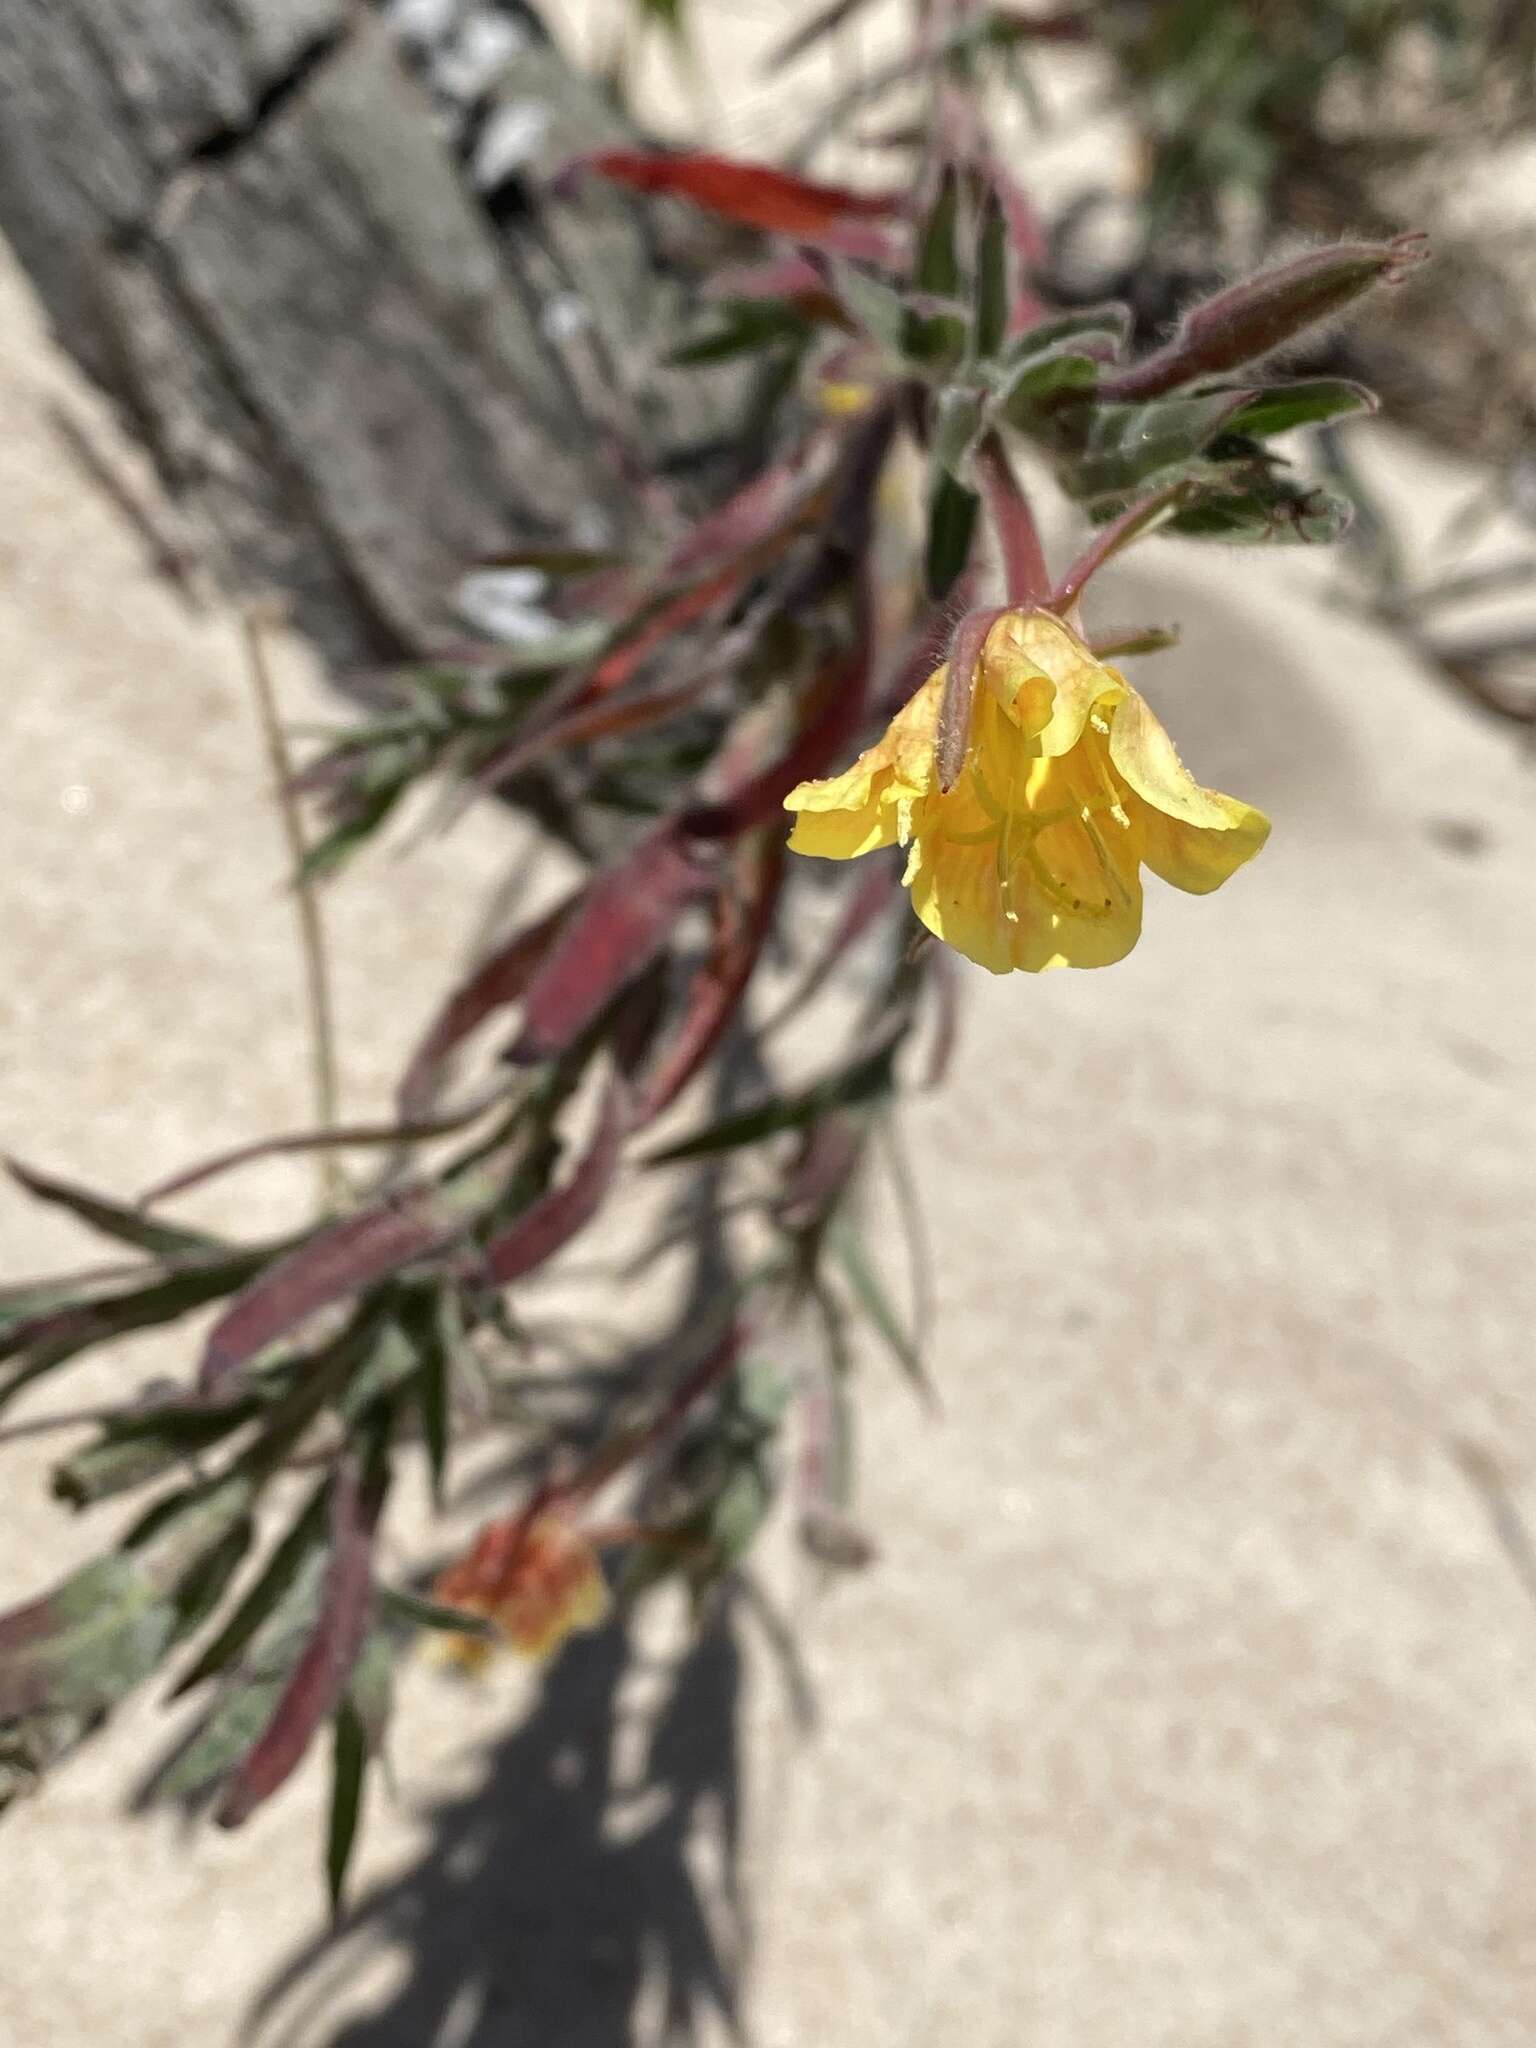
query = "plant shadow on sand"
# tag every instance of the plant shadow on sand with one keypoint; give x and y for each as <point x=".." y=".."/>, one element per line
<point x="554" y="1907"/>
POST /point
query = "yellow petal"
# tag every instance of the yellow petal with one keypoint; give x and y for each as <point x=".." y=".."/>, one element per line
<point x="1023" y="864"/>
<point x="1046" y="679"/>
<point x="842" y="816"/>
<point x="1192" y="837"/>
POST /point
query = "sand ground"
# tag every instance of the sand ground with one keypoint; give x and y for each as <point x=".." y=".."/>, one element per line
<point x="1190" y="1703"/>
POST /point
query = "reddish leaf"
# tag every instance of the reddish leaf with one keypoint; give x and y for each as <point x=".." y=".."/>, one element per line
<point x="749" y="517"/>
<point x="337" y="1137"/>
<point x="320" y="1677"/>
<point x="1026" y="580"/>
<point x="756" y="799"/>
<point x="743" y="918"/>
<point x="587" y="722"/>
<point x="496" y="983"/>
<point x="555" y="1218"/>
<point x="657" y="627"/>
<point x="828" y="1158"/>
<point x="753" y="194"/>
<point x="1110" y="540"/>
<point x="334" y="1263"/>
<point x="616" y="929"/>
<point x="1014" y="25"/>
<point x="794" y="279"/>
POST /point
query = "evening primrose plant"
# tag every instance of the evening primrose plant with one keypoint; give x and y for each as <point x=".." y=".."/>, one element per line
<point x="801" y="749"/>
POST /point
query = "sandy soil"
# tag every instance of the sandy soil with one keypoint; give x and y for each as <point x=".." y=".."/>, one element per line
<point x="1190" y="1703"/>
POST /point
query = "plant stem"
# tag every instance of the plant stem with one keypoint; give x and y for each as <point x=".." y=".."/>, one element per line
<point x="322" y="1033"/>
<point x="1026" y="580"/>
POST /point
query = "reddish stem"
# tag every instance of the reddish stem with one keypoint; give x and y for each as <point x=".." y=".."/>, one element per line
<point x="1026" y="580"/>
<point x="1132" y="523"/>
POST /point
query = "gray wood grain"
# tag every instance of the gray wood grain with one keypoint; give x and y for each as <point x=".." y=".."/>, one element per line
<point x="247" y="226"/>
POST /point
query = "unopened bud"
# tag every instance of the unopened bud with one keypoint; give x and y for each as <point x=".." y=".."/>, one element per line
<point x="1263" y="312"/>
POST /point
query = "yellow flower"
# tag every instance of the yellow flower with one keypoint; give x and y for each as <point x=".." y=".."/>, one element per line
<point x="1069" y="787"/>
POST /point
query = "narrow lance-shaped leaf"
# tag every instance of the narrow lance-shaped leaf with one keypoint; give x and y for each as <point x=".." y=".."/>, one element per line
<point x="320" y="1677"/>
<point x="1032" y="388"/>
<point x="349" y="1763"/>
<point x="50" y="1340"/>
<point x="417" y="1611"/>
<point x="938" y="254"/>
<point x="952" y="511"/>
<point x="838" y="700"/>
<point x="498" y="982"/>
<point x="752" y="194"/>
<point x="166" y="1241"/>
<point x="852" y="1255"/>
<point x="741" y="927"/>
<point x="1268" y="512"/>
<point x="338" y="1261"/>
<point x="747" y="327"/>
<point x="993" y="283"/>
<point x="273" y="1585"/>
<point x="554" y="1219"/>
<point x="1098" y="331"/>
<point x="615" y="931"/>
<point x="865" y="1079"/>
<point x="824" y="22"/>
<point x="134" y="1449"/>
<point x="1308" y="403"/>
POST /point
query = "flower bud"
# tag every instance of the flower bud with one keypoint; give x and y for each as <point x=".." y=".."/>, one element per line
<point x="1261" y="313"/>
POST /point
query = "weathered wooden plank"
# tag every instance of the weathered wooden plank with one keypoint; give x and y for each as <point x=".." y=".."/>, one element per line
<point x="245" y="223"/>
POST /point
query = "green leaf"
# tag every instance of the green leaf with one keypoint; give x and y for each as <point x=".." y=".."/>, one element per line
<point x="54" y="1338"/>
<point x="93" y="1639"/>
<point x="393" y="1356"/>
<point x="1120" y="451"/>
<point x="873" y="305"/>
<point x="1303" y="404"/>
<point x="1040" y="380"/>
<point x="667" y="15"/>
<point x="431" y="1614"/>
<point x="935" y="334"/>
<point x="134" y="1449"/>
<point x="366" y="810"/>
<point x="748" y="326"/>
<point x="852" y="1257"/>
<point x="299" y="1546"/>
<point x="958" y="420"/>
<point x="864" y="1080"/>
<point x="204" y="1584"/>
<point x="349" y="1763"/>
<point x="166" y="1241"/>
<point x="1276" y="512"/>
<point x="244" y="1705"/>
<point x="1096" y="329"/>
<point x="992" y="284"/>
<point x="938" y="255"/>
<point x="952" y="511"/>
